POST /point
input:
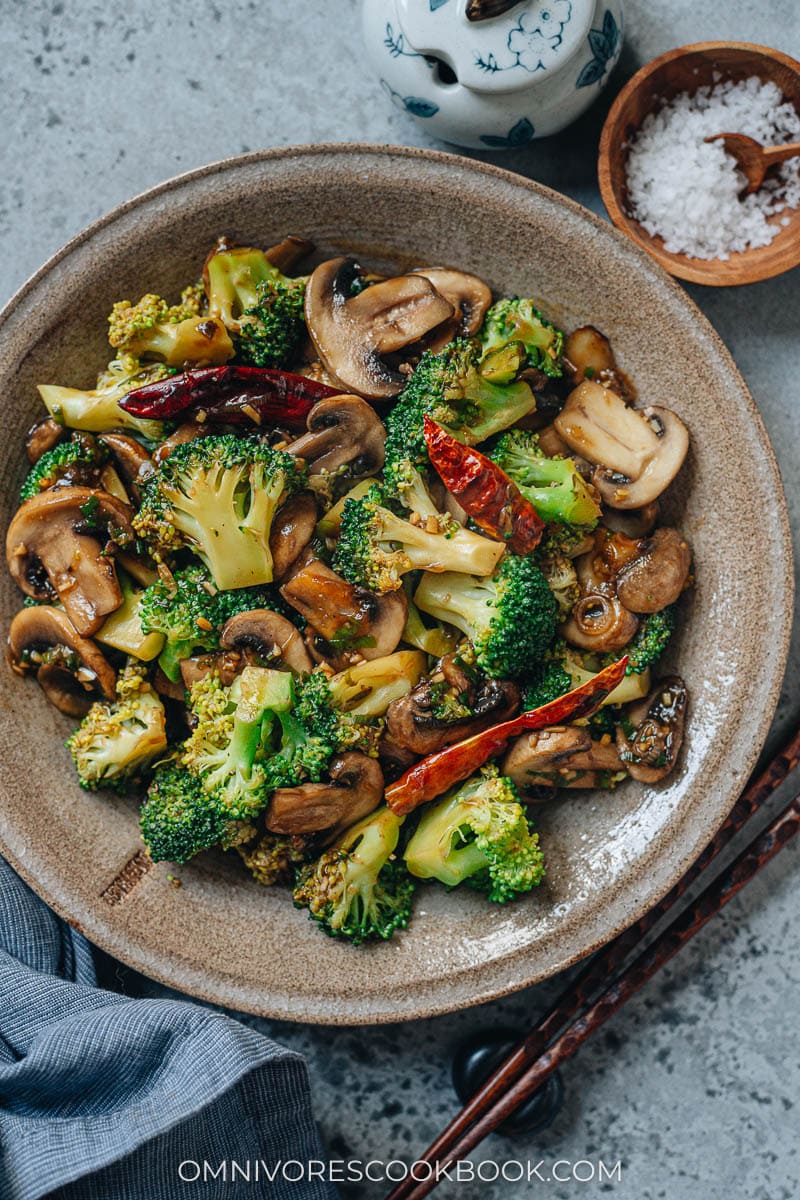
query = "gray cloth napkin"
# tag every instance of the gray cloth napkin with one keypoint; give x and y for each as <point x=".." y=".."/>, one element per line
<point x="102" y="1097"/>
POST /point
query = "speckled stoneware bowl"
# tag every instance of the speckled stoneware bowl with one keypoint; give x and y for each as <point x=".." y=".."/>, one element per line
<point x="610" y="857"/>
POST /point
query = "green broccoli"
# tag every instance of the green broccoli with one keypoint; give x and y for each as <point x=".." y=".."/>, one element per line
<point x="246" y="741"/>
<point x="189" y="611"/>
<point x="271" y="330"/>
<point x="97" y="410"/>
<point x="179" y="819"/>
<point x="175" y="334"/>
<point x="562" y="579"/>
<point x="345" y="710"/>
<point x="450" y="388"/>
<point x="479" y="833"/>
<point x="217" y="496"/>
<point x="548" y="683"/>
<point x="435" y="639"/>
<point x="357" y="890"/>
<point x="566" y="667"/>
<point x="78" y="461"/>
<point x="274" y="858"/>
<point x="376" y="547"/>
<point x="117" y="740"/>
<point x="510" y="617"/>
<point x="234" y="277"/>
<point x="649" y="642"/>
<point x="554" y="486"/>
<point x="519" y="321"/>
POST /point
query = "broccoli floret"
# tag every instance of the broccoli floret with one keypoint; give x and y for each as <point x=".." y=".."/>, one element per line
<point x="233" y="278"/>
<point x="345" y="710"/>
<point x="376" y="547"/>
<point x="79" y="460"/>
<point x="562" y="579"/>
<point x="356" y="890"/>
<point x="189" y="611"/>
<point x="478" y="833"/>
<point x="123" y="630"/>
<point x="551" y="681"/>
<point x="554" y="486"/>
<point x="450" y="388"/>
<point x="178" y="818"/>
<point x="301" y="754"/>
<point x="566" y="668"/>
<point x="271" y="330"/>
<point x="97" y="410"/>
<point x="514" y="321"/>
<point x="649" y="641"/>
<point x="435" y="639"/>
<point x="273" y="858"/>
<point x="217" y="496"/>
<point x="175" y="334"/>
<point x="510" y="617"/>
<point x="117" y="740"/>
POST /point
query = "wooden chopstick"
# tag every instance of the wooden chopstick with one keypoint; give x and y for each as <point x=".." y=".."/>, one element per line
<point x="500" y="1094"/>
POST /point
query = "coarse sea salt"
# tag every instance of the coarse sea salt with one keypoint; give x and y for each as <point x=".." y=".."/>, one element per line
<point x="687" y="191"/>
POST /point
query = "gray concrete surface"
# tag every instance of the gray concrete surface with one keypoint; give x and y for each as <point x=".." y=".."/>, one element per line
<point x="695" y="1087"/>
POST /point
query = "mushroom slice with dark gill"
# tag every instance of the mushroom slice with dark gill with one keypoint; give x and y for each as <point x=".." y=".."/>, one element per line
<point x="561" y="756"/>
<point x="292" y="530"/>
<point x="59" y="541"/>
<point x="657" y="576"/>
<point x="353" y="334"/>
<point x="350" y="619"/>
<point x="650" y="737"/>
<point x="269" y="635"/>
<point x="637" y="452"/>
<point x="412" y="725"/>
<point x="343" y="431"/>
<point x="355" y="789"/>
<point x="71" y="670"/>
<point x="470" y="298"/>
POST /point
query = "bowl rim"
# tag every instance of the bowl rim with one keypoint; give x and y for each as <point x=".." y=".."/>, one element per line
<point x="703" y="271"/>
<point x="482" y="990"/>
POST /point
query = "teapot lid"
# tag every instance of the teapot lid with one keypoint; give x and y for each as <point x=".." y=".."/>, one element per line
<point x="496" y="46"/>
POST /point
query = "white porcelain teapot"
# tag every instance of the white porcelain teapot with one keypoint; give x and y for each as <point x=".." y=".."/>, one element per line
<point x="493" y="73"/>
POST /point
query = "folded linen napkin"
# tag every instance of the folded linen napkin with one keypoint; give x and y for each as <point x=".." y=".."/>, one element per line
<point x="104" y="1098"/>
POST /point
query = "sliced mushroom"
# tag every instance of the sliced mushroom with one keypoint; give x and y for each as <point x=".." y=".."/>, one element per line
<point x="54" y="543"/>
<point x="342" y="431"/>
<point x="132" y="460"/>
<point x="658" y="575"/>
<point x="411" y="724"/>
<point x="650" y="749"/>
<point x="470" y="298"/>
<point x="71" y="670"/>
<point x="351" y="618"/>
<point x="43" y="436"/>
<point x="286" y="254"/>
<point x="355" y="790"/>
<point x="270" y="635"/>
<point x="169" y="689"/>
<point x="227" y="664"/>
<point x="633" y="522"/>
<point x="187" y="432"/>
<point x="291" y="531"/>
<point x="637" y="452"/>
<point x="353" y="333"/>
<point x="551" y="443"/>
<point x="560" y="757"/>
<point x="588" y="355"/>
<point x="600" y="623"/>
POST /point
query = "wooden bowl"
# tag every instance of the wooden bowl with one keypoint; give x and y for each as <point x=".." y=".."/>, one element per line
<point x="681" y="70"/>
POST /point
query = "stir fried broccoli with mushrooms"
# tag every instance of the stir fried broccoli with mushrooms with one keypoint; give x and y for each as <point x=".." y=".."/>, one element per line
<point x="307" y="563"/>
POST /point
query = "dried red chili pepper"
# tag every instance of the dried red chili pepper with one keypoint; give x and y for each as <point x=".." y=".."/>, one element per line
<point x="486" y="493"/>
<point x="231" y="394"/>
<point x="445" y="768"/>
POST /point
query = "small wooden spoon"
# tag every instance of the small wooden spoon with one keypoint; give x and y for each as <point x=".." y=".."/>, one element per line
<point x="753" y="158"/>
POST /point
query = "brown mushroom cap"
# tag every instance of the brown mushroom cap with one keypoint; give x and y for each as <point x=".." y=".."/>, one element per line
<point x="651" y="752"/>
<point x="411" y="724"/>
<point x="340" y="612"/>
<point x="355" y="790"/>
<point x="470" y="298"/>
<point x="49" y="536"/>
<point x="286" y="254"/>
<point x="291" y="531"/>
<point x="131" y="458"/>
<point x="71" y="670"/>
<point x="638" y="452"/>
<point x="633" y="522"/>
<point x="227" y="664"/>
<point x="599" y="622"/>
<point x="270" y="635"/>
<point x="657" y="576"/>
<point x="43" y="436"/>
<point x="563" y="756"/>
<point x="588" y="355"/>
<point x="188" y="431"/>
<point x="342" y="430"/>
<point x="353" y="333"/>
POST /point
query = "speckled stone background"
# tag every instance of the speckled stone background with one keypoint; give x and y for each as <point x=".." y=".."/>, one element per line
<point x="695" y="1087"/>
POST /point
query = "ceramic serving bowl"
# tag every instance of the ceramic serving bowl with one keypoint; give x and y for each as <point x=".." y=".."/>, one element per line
<point x="221" y="936"/>
<point x="685" y="70"/>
